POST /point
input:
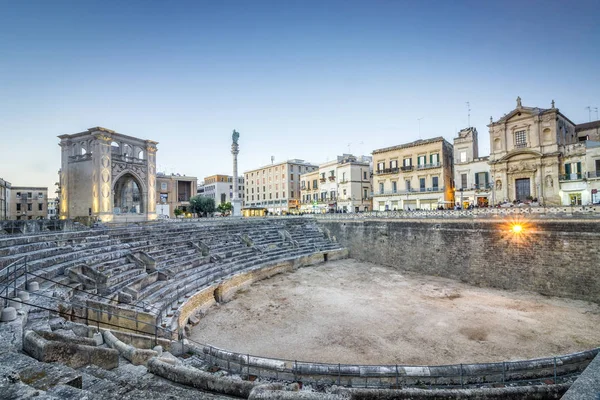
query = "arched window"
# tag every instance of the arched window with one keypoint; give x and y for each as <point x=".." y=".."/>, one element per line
<point x="115" y="148"/>
<point x="127" y="150"/>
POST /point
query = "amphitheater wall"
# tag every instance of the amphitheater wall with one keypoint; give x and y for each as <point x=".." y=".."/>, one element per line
<point x="113" y="317"/>
<point x="551" y="257"/>
<point x="198" y="302"/>
<point x="227" y="289"/>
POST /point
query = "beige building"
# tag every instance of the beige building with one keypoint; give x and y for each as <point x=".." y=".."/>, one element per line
<point x="588" y="131"/>
<point x="341" y="185"/>
<point x="107" y="175"/>
<point x="27" y="202"/>
<point x="4" y="199"/>
<point x="580" y="175"/>
<point x="276" y="187"/>
<point x="174" y="192"/>
<point x="416" y="175"/>
<point x="527" y="154"/>
<point x="471" y="173"/>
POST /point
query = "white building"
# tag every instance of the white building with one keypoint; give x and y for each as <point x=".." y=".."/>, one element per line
<point x="580" y="183"/>
<point x="220" y="188"/>
<point x="53" y="208"/>
<point x="471" y="172"/>
<point x="344" y="185"/>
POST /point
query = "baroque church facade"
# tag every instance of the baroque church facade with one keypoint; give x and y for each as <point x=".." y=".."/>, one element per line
<point x="527" y="157"/>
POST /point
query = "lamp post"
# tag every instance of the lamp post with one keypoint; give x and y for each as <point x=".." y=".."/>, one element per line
<point x="493" y="194"/>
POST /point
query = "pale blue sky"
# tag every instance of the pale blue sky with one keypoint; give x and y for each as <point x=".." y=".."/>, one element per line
<point x="297" y="79"/>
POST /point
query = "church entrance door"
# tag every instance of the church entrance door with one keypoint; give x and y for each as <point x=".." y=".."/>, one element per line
<point x="522" y="187"/>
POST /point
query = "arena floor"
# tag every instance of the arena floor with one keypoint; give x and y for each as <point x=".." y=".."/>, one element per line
<point x="354" y="312"/>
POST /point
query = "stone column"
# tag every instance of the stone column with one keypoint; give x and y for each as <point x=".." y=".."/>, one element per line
<point x="235" y="150"/>
<point x="65" y="151"/>
<point x="151" y="168"/>
<point x="102" y="202"/>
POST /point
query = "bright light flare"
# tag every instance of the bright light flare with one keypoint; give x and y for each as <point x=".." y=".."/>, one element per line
<point x="517" y="228"/>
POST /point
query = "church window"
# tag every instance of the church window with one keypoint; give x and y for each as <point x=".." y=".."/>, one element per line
<point x="520" y="139"/>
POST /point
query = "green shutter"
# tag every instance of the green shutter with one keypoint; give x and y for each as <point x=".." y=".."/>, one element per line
<point x="477" y="180"/>
<point x="578" y="169"/>
<point x="567" y="169"/>
<point x="431" y="159"/>
<point x="487" y="179"/>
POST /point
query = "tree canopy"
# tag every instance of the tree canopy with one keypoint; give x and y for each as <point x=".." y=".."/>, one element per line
<point x="202" y="205"/>
<point x="225" y="207"/>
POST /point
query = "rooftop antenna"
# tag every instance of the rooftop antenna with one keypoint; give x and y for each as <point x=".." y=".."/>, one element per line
<point x="469" y="114"/>
<point x="589" y="113"/>
<point x="596" y="109"/>
<point x="419" y="119"/>
<point x="272" y="159"/>
<point x="349" y="152"/>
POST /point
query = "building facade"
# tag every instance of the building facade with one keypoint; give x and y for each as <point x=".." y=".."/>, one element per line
<point x="527" y="154"/>
<point x="4" y="199"/>
<point x="107" y="175"/>
<point x="588" y="131"/>
<point x="220" y="188"/>
<point x="174" y="192"/>
<point x="580" y="174"/>
<point x="53" y="205"/>
<point x="341" y="185"/>
<point x="416" y="175"/>
<point x="471" y="173"/>
<point x="28" y="202"/>
<point x="276" y="187"/>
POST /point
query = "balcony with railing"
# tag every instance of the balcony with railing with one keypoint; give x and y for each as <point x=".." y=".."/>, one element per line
<point x="427" y="166"/>
<point x="593" y="174"/>
<point x="407" y="168"/>
<point x="128" y="159"/>
<point x="332" y="178"/>
<point x="570" y="177"/>
<point x="388" y="171"/>
<point x="482" y="186"/>
<point x="408" y="192"/>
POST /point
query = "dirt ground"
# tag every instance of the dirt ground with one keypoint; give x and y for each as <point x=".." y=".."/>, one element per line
<point x="354" y="312"/>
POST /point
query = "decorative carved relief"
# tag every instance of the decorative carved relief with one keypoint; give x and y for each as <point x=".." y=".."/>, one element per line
<point x="549" y="181"/>
<point x="498" y="184"/>
<point x="118" y="167"/>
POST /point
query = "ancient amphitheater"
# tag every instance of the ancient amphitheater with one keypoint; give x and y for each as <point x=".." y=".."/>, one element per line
<point x="110" y="312"/>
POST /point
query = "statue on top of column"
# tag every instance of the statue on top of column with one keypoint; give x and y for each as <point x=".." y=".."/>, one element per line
<point x="235" y="136"/>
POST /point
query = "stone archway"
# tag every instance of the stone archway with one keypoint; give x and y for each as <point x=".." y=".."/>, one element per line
<point x="128" y="195"/>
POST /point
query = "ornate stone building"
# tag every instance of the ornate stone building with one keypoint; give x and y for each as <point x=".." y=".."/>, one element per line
<point x="527" y="147"/>
<point x="107" y="175"/>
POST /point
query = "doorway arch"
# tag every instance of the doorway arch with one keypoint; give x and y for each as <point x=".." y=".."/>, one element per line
<point x="128" y="195"/>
